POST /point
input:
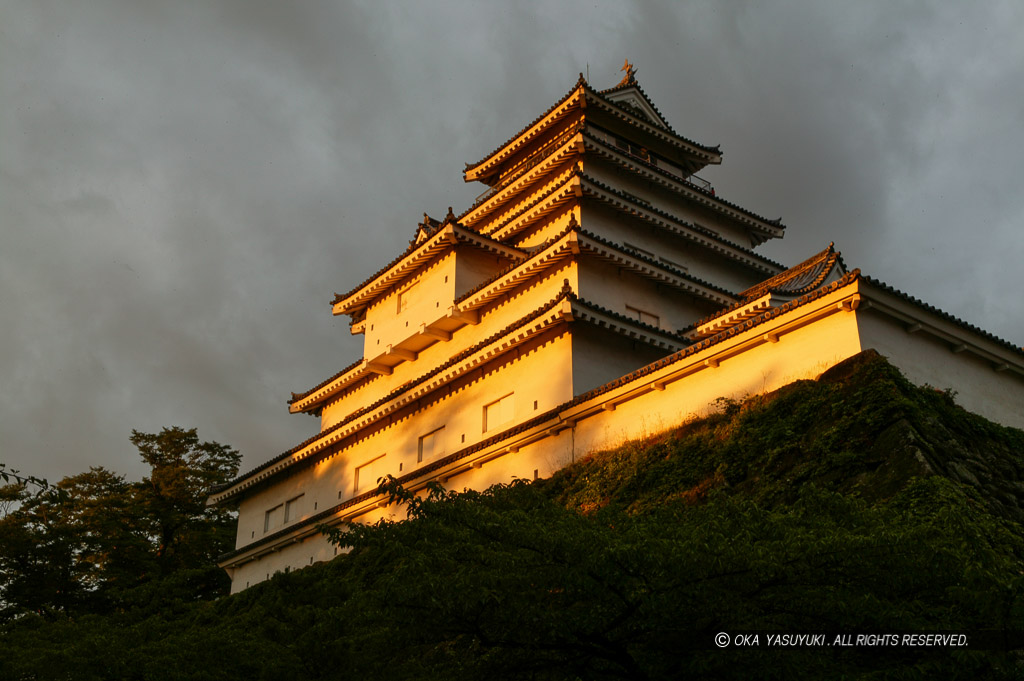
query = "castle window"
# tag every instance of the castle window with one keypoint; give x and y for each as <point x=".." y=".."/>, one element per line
<point x="643" y="316"/>
<point x="366" y="476"/>
<point x="406" y="296"/>
<point x="273" y="518"/>
<point x="431" y="445"/>
<point x="673" y="263"/>
<point x="499" y="412"/>
<point x="293" y="508"/>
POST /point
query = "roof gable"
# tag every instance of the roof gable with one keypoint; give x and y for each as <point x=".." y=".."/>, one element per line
<point x="633" y="99"/>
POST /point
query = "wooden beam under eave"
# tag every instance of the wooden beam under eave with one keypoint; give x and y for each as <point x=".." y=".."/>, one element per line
<point x="379" y="369"/>
<point x="435" y="333"/>
<point x="471" y="317"/>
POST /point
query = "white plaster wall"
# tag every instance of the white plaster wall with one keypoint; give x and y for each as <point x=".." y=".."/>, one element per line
<point x="600" y="356"/>
<point x="922" y="358"/>
<point x="434" y="293"/>
<point x="543" y="375"/>
<point x="802" y="354"/>
<point x="313" y="549"/>
<point x="473" y="267"/>
<point x="537" y="460"/>
<point x="539" y="375"/>
<point x="615" y="288"/>
<point x="493" y="318"/>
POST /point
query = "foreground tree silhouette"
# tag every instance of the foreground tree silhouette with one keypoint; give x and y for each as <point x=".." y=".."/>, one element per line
<point x="85" y="543"/>
<point x="509" y="584"/>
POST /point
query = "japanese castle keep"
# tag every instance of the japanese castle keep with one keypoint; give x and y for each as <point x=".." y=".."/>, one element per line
<point x="598" y="291"/>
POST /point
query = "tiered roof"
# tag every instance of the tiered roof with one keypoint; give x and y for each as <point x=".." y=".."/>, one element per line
<point x="802" y="279"/>
<point x="581" y="96"/>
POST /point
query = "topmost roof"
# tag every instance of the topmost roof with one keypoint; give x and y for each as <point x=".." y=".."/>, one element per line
<point x="617" y="97"/>
<point x="628" y="91"/>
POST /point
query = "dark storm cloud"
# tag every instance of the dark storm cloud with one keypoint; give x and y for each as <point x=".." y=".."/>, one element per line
<point x="183" y="185"/>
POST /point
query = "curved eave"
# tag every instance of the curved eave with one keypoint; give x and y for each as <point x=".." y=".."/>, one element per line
<point x="704" y="237"/>
<point x="812" y="274"/>
<point x="485" y="168"/>
<point x="493" y="203"/>
<point x="565" y="190"/>
<point x="702" y="154"/>
<point x="582" y="95"/>
<point x="761" y="228"/>
<point x="652" y="269"/>
<point x="314" y="400"/>
<point x="555" y="251"/>
<point x="601" y="317"/>
<point x="401" y="269"/>
<point x="300" y="401"/>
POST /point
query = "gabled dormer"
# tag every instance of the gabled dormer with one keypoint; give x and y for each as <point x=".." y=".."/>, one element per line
<point x="410" y="303"/>
<point x="628" y="95"/>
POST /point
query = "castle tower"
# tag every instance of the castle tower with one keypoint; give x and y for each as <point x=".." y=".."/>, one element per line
<point x="596" y="261"/>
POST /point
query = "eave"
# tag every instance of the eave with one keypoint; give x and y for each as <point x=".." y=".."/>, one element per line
<point x="412" y="262"/>
<point x="702" y="236"/>
<point x="702" y="155"/>
<point x="761" y="228"/>
<point x="592" y="313"/>
<point x="917" y="316"/>
<point x="384" y="363"/>
<point x="481" y="170"/>
<point x="583" y="96"/>
<point x="503" y="195"/>
<point x="796" y="281"/>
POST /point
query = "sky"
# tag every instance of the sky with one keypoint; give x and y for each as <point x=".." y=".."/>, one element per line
<point x="185" y="185"/>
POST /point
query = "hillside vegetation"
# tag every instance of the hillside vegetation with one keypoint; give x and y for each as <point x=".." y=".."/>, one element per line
<point x="854" y="503"/>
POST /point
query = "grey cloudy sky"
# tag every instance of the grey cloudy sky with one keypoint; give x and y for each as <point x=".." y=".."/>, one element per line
<point x="183" y="185"/>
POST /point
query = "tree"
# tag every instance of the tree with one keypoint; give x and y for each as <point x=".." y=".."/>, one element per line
<point x="92" y="540"/>
<point x="172" y="499"/>
<point x="508" y="584"/>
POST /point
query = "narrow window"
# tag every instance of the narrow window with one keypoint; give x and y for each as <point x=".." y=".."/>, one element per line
<point x="431" y="445"/>
<point x="641" y="251"/>
<point x="643" y="315"/>
<point x="366" y="476"/>
<point x="293" y="508"/>
<point x="499" y="412"/>
<point x="273" y="518"/>
<point x="673" y="263"/>
<point x="406" y="296"/>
